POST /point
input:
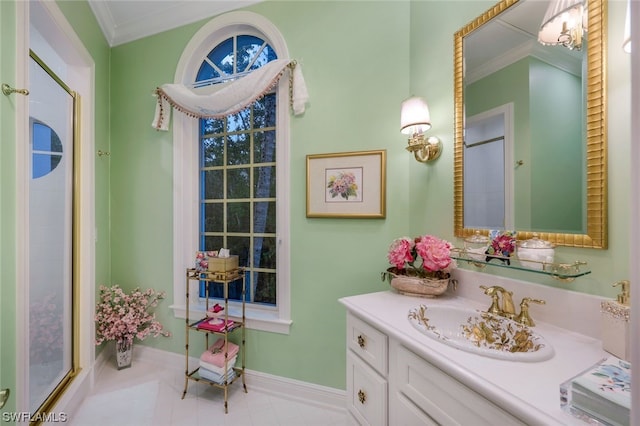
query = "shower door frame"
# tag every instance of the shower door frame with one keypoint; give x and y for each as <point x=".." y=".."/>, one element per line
<point x="53" y="397"/>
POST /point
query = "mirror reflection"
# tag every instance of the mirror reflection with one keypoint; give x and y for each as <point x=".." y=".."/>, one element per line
<point x="523" y="140"/>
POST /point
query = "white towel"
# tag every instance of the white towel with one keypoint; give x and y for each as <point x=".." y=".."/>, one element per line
<point x="218" y="370"/>
<point x="217" y="378"/>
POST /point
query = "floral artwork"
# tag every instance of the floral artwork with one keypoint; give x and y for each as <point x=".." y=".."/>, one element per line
<point x="347" y="185"/>
<point x="344" y="184"/>
<point x="124" y="316"/>
<point x="434" y="255"/>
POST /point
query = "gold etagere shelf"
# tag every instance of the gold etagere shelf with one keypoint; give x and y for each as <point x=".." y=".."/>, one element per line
<point x="566" y="272"/>
<point x="222" y="278"/>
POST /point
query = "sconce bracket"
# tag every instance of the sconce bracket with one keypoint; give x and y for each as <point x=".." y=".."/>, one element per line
<point x="425" y="150"/>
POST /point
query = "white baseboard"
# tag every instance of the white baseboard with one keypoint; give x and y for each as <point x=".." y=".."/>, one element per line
<point x="309" y="393"/>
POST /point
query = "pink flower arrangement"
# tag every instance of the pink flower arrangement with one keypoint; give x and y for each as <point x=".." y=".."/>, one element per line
<point x="434" y="253"/>
<point x="123" y="317"/>
<point x="503" y="244"/>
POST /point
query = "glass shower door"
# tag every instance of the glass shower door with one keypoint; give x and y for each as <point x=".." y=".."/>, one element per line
<point x="51" y="236"/>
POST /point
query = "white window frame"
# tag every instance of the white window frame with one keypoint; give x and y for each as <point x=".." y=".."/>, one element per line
<point x="186" y="176"/>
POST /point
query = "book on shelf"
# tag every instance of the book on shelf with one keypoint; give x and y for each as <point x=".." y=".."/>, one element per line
<point x="602" y="392"/>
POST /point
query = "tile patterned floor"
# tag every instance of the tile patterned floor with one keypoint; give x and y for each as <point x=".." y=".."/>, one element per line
<point x="150" y="394"/>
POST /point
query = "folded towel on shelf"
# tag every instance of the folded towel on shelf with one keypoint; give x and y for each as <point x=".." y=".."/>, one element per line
<point x="216" y="324"/>
<point x="215" y="377"/>
<point x="218" y="370"/>
<point x="215" y="354"/>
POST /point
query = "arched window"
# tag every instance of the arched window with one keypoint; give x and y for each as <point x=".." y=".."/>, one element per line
<point x="231" y="175"/>
<point x="237" y="173"/>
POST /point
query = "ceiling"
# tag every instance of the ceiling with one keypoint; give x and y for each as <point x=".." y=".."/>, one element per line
<point x="122" y="21"/>
<point x="515" y="31"/>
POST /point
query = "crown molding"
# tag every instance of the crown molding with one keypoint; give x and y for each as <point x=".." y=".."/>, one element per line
<point x="160" y="16"/>
<point x="553" y="56"/>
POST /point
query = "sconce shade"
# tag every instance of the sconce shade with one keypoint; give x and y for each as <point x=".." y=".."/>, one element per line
<point x="414" y="116"/>
<point x="563" y="24"/>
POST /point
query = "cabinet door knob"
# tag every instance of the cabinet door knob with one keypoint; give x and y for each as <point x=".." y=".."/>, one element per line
<point x="361" y="341"/>
<point x="362" y="396"/>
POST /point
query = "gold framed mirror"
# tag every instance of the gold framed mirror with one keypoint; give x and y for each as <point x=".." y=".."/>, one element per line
<point x="593" y="141"/>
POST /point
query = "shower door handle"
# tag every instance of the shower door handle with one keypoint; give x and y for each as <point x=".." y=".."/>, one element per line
<point x="4" y="396"/>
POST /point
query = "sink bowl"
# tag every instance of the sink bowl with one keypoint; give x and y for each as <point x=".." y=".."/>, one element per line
<point x="480" y="333"/>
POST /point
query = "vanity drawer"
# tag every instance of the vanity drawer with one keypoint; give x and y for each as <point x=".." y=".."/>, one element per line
<point x="442" y="397"/>
<point x="366" y="392"/>
<point x="368" y="343"/>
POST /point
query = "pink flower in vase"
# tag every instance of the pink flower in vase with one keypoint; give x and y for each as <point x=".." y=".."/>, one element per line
<point x="400" y="252"/>
<point x="435" y="253"/>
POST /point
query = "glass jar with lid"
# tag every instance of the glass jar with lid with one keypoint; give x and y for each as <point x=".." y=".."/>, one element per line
<point x="534" y="253"/>
<point x="476" y="246"/>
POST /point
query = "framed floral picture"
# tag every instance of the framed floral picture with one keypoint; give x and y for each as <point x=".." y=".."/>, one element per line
<point x="347" y="184"/>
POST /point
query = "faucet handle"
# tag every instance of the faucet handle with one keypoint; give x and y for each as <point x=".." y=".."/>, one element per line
<point x="623" y="297"/>
<point x="524" y="318"/>
<point x="490" y="291"/>
<point x="493" y="293"/>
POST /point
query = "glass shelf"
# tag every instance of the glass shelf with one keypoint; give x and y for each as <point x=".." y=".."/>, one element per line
<point x="561" y="271"/>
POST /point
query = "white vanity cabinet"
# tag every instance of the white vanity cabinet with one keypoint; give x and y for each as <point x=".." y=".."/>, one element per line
<point x="420" y="393"/>
<point x="367" y="366"/>
<point x="388" y="384"/>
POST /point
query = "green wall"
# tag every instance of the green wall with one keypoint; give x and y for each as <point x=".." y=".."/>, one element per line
<point x="556" y="150"/>
<point x="360" y="59"/>
<point x="8" y="242"/>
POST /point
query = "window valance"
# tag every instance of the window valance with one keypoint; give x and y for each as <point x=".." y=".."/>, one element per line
<point x="215" y="102"/>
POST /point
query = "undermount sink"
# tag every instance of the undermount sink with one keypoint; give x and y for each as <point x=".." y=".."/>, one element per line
<point x="480" y="333"/>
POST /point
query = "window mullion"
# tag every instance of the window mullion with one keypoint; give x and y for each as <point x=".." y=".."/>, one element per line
<point x="235" y="54"/>
<point x="251" y="209"/>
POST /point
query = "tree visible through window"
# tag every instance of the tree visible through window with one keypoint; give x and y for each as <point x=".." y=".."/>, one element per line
<point x="238" y="172"/>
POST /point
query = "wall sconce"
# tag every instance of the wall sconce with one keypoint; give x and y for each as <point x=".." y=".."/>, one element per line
<point x="563" y="24"/>
<point x="414" y="121"/>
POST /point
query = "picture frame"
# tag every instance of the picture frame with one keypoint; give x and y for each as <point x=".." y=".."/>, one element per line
<point x="347" y="185"/>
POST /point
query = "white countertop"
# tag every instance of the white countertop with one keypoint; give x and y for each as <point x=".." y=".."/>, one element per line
<point x="529" y="390"/>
